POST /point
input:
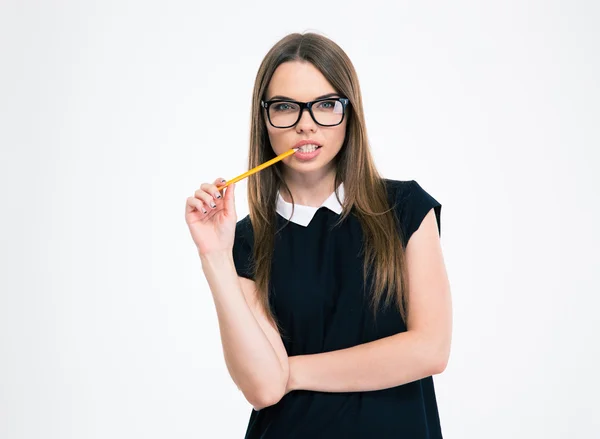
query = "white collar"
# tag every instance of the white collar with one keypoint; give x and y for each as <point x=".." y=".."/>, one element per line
<point x="304" y="214"/>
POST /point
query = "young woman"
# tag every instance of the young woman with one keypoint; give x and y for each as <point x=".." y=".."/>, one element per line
<point x="332" y="295"/>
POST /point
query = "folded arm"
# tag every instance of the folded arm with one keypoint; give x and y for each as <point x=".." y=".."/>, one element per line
<point x="423" y="350"/>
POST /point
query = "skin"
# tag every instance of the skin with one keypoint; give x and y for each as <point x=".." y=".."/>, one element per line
<point x="254" y="353"/>
<point x="311" y="182"/>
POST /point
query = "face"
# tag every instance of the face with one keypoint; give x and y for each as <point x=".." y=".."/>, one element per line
<point x="303" y="82"/>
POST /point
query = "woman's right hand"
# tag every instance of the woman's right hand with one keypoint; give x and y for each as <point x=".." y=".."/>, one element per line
<point x="212" y="228"/>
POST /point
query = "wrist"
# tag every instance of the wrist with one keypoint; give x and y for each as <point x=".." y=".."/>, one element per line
<point x="293" y="383"/>
<point x="216" y="259"/>
<point x="216" y="255"/>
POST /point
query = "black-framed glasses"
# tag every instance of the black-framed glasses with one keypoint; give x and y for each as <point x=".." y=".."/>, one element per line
<point x="327" y="112"/>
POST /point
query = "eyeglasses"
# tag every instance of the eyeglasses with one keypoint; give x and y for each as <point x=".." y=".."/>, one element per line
<point x="327" y="112"/>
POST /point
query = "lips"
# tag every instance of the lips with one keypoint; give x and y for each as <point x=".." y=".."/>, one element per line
<point x="307" y="156"/>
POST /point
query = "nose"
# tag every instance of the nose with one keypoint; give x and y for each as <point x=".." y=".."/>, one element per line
<point x="306" y="122"/>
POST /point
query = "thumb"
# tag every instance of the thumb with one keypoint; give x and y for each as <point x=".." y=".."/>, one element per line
<point x="229" y="197"/>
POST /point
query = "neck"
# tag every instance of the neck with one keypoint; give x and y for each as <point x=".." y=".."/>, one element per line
<point x="309" y="189"/>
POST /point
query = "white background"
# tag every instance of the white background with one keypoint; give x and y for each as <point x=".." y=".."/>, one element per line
<point x="112" y="113"/>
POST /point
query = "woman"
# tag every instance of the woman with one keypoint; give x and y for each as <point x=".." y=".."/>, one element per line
<point x="332" y="295"/>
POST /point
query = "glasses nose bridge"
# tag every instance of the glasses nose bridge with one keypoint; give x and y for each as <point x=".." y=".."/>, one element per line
<point x="308" y="107"/>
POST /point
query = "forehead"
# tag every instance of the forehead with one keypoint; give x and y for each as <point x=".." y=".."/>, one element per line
<point x="299" y="80"/>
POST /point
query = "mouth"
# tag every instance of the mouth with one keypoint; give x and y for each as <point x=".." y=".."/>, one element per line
<point x="310" y="147"/>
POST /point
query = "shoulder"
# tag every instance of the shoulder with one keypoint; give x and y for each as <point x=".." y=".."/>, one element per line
<point x="411" y="203"/>
<point x="397" y="189"/>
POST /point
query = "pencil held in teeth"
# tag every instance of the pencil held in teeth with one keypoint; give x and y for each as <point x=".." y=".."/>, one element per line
<point x="309" y="147"/>
<point x="259" y="167"/>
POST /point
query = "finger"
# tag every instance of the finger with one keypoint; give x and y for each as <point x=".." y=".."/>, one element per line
<point x="220" y="182"/>
<point x="212" y="190"/>
<point x="206" y="198"/>
<point x="229" y="197"/>
<point x="194" y="203"/>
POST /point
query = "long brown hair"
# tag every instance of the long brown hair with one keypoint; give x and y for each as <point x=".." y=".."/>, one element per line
<point x="364" y="189"/>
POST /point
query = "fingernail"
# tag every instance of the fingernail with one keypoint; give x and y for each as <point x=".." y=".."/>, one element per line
<point x="213" y="205"/>
<point x="223" y="180"/>
<point x="217" y="195"/>
<point x="204" y="210"/>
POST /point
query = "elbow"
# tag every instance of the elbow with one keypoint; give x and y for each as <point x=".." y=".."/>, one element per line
<point x="438" y="360"/>
<point x="438" y="364"/>
<point x="264" y="389"/>
<point x="264" y="397"/>
<point x="441" y="360"/>
<point x="267" y="393"/>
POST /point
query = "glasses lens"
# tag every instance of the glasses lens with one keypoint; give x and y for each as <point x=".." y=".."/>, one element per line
<point x="328" y="112"/>
<point x="283" y="114"/>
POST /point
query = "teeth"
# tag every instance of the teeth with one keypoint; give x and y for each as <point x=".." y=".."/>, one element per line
<point x="308" y="148"/>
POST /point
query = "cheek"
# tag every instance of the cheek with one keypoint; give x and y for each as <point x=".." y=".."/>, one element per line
<point x="276" y="137"/>
<point x="338" y="135"/>
<point x="271" y="133"/>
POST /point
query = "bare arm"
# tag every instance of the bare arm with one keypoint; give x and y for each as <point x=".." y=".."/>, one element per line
<point x="421" y="351"/>
<point x="254" y="353"/>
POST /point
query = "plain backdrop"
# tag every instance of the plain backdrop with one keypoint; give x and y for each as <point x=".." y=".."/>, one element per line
<point x="112" y="113"/>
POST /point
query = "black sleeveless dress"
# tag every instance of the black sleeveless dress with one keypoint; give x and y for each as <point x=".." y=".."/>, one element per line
<point x="322" y="307"/>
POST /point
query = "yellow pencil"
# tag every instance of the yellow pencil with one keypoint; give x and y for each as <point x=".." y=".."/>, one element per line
<point x="258" y="168"/>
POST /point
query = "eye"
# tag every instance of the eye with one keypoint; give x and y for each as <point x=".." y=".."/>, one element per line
<point x="283" y="106"/>
<point x="326" y="105"/>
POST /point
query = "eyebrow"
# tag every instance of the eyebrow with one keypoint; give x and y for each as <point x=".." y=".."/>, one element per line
<point x="328" y="95"/>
